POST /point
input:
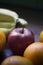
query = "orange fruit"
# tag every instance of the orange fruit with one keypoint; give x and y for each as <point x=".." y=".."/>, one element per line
<point x="2" y="40"/>
<point x="41" y="36"/>
<point x="34" y="52"/>
<point x="16" y="60"/>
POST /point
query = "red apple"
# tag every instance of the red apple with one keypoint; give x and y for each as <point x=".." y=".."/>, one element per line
<point x="19" y="39"/>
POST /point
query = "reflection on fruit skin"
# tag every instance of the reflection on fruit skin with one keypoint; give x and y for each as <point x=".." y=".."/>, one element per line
<point x="34" y="52"/>
<point x="4" y="54"/>
<point x="16" y="60"/>
<point x="41" y="36"/>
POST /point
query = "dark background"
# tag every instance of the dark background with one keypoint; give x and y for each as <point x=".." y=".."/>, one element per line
<point x="27" y="3"/>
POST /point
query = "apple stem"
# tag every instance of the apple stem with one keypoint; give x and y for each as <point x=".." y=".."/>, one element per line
<point x="22" y="30"/>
